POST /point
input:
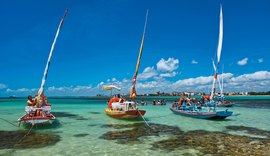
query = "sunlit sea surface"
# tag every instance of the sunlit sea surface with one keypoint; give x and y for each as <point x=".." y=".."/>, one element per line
<point x="82" y="128"/>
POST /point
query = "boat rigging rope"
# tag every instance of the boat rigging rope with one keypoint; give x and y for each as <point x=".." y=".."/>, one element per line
<point x="9" y="122"/>
<point x="13" y="150"/>
<point x="144" y="119"/>
<point x="26" y="134"/>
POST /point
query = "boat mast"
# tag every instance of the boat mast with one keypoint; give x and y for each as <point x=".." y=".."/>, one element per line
<point x="218" y="52"/>
<point x="222" y="83"/>
<point x="41" y="89"/>
<point x="132" y="94"/>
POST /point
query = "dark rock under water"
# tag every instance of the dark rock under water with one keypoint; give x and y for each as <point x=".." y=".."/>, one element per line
<point x="80" y="135"/>
<point x="249" y="130"/>
<point x="139" y="130"/>
<point x="68" y="115"/>
<point x="213" y="143"/>
<point x="16" y="139"/>
<point x="64" y="114"/>
<point x="95" y="112"/>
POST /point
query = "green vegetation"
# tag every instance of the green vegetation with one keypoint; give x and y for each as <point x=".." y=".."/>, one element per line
<point x="259" y="93"/>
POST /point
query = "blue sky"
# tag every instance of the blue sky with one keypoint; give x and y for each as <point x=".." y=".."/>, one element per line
<point x="99" y="44"/>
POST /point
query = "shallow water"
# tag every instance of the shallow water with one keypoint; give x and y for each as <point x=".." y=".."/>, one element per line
<point x="82" y="128"/>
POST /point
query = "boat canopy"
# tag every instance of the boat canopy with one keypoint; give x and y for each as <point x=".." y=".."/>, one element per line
<point x="111" y="87"/>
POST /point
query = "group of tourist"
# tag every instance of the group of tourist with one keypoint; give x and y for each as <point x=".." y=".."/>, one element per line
<point x="188" y="101"/>
<point x="159" y="102"/>
<point x="36" y="104"/>
<point x="116" y="98"/>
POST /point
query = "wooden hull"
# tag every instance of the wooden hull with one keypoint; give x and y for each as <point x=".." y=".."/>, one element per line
<point x="130" y="114"/>
<point x="32" y="119"/>
<point x="203" y="115"/>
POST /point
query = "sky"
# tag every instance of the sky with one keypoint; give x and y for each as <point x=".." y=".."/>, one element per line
<point x="99" y="44"/>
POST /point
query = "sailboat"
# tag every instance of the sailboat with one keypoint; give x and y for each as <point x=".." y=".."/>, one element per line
<point x="201" y="111"/>
<point x="39" y="110"/>
<point x="118" y="107"/>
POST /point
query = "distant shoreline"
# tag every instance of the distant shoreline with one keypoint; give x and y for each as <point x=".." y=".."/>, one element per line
<point x="146" y="98"/>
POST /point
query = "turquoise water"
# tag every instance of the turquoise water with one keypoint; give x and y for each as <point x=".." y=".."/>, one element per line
<point x="82" y="130"/>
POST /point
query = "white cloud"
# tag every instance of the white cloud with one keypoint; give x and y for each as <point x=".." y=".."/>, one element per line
<point x="168" y="74"/>
<point x="3" y="86"/>
<point x="260" y="60"/>
<point x="194" y="81"/>
<point x="148" y="72"/>
<point x="194" y="62"/>
<point x="22" y="90"/>
<point x="243" y="62"/>
<point x="257" y="76"/>
<point x="167" y="65"/>
<point x="257" y="81"/>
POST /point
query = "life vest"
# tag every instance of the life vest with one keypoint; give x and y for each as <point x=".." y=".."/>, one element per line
<point x="194" y="100"/>
<point x="180" y="102"/>
<point x="110" y="103"/>
<point x="116" y="99"/>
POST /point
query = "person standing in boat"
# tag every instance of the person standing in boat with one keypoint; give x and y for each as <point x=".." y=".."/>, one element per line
<point x="220" y="99"/>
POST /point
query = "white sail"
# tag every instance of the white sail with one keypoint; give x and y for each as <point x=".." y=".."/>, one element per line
<point x="41" y="89"/>
<point x="220" y="40"/>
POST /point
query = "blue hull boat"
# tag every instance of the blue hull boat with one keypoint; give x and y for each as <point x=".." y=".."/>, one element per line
<point x="226" y="105"/>
<point x="203" y="115"/>
<point x="214" y="104"/>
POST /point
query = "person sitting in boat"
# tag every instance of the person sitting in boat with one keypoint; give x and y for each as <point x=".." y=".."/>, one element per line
<point x="207" y="98"/>
<point x="113" y="99"/>
<point x="44" y="101"/>
<point x="194" y="100"/>
<point x="117" y="98"/>
<point x="202" y="99"/>
<point x="174" y="105"/>
<point x="121" y="99"/>
<point x="31" y="101"/>
<point x="188" y="101"/>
